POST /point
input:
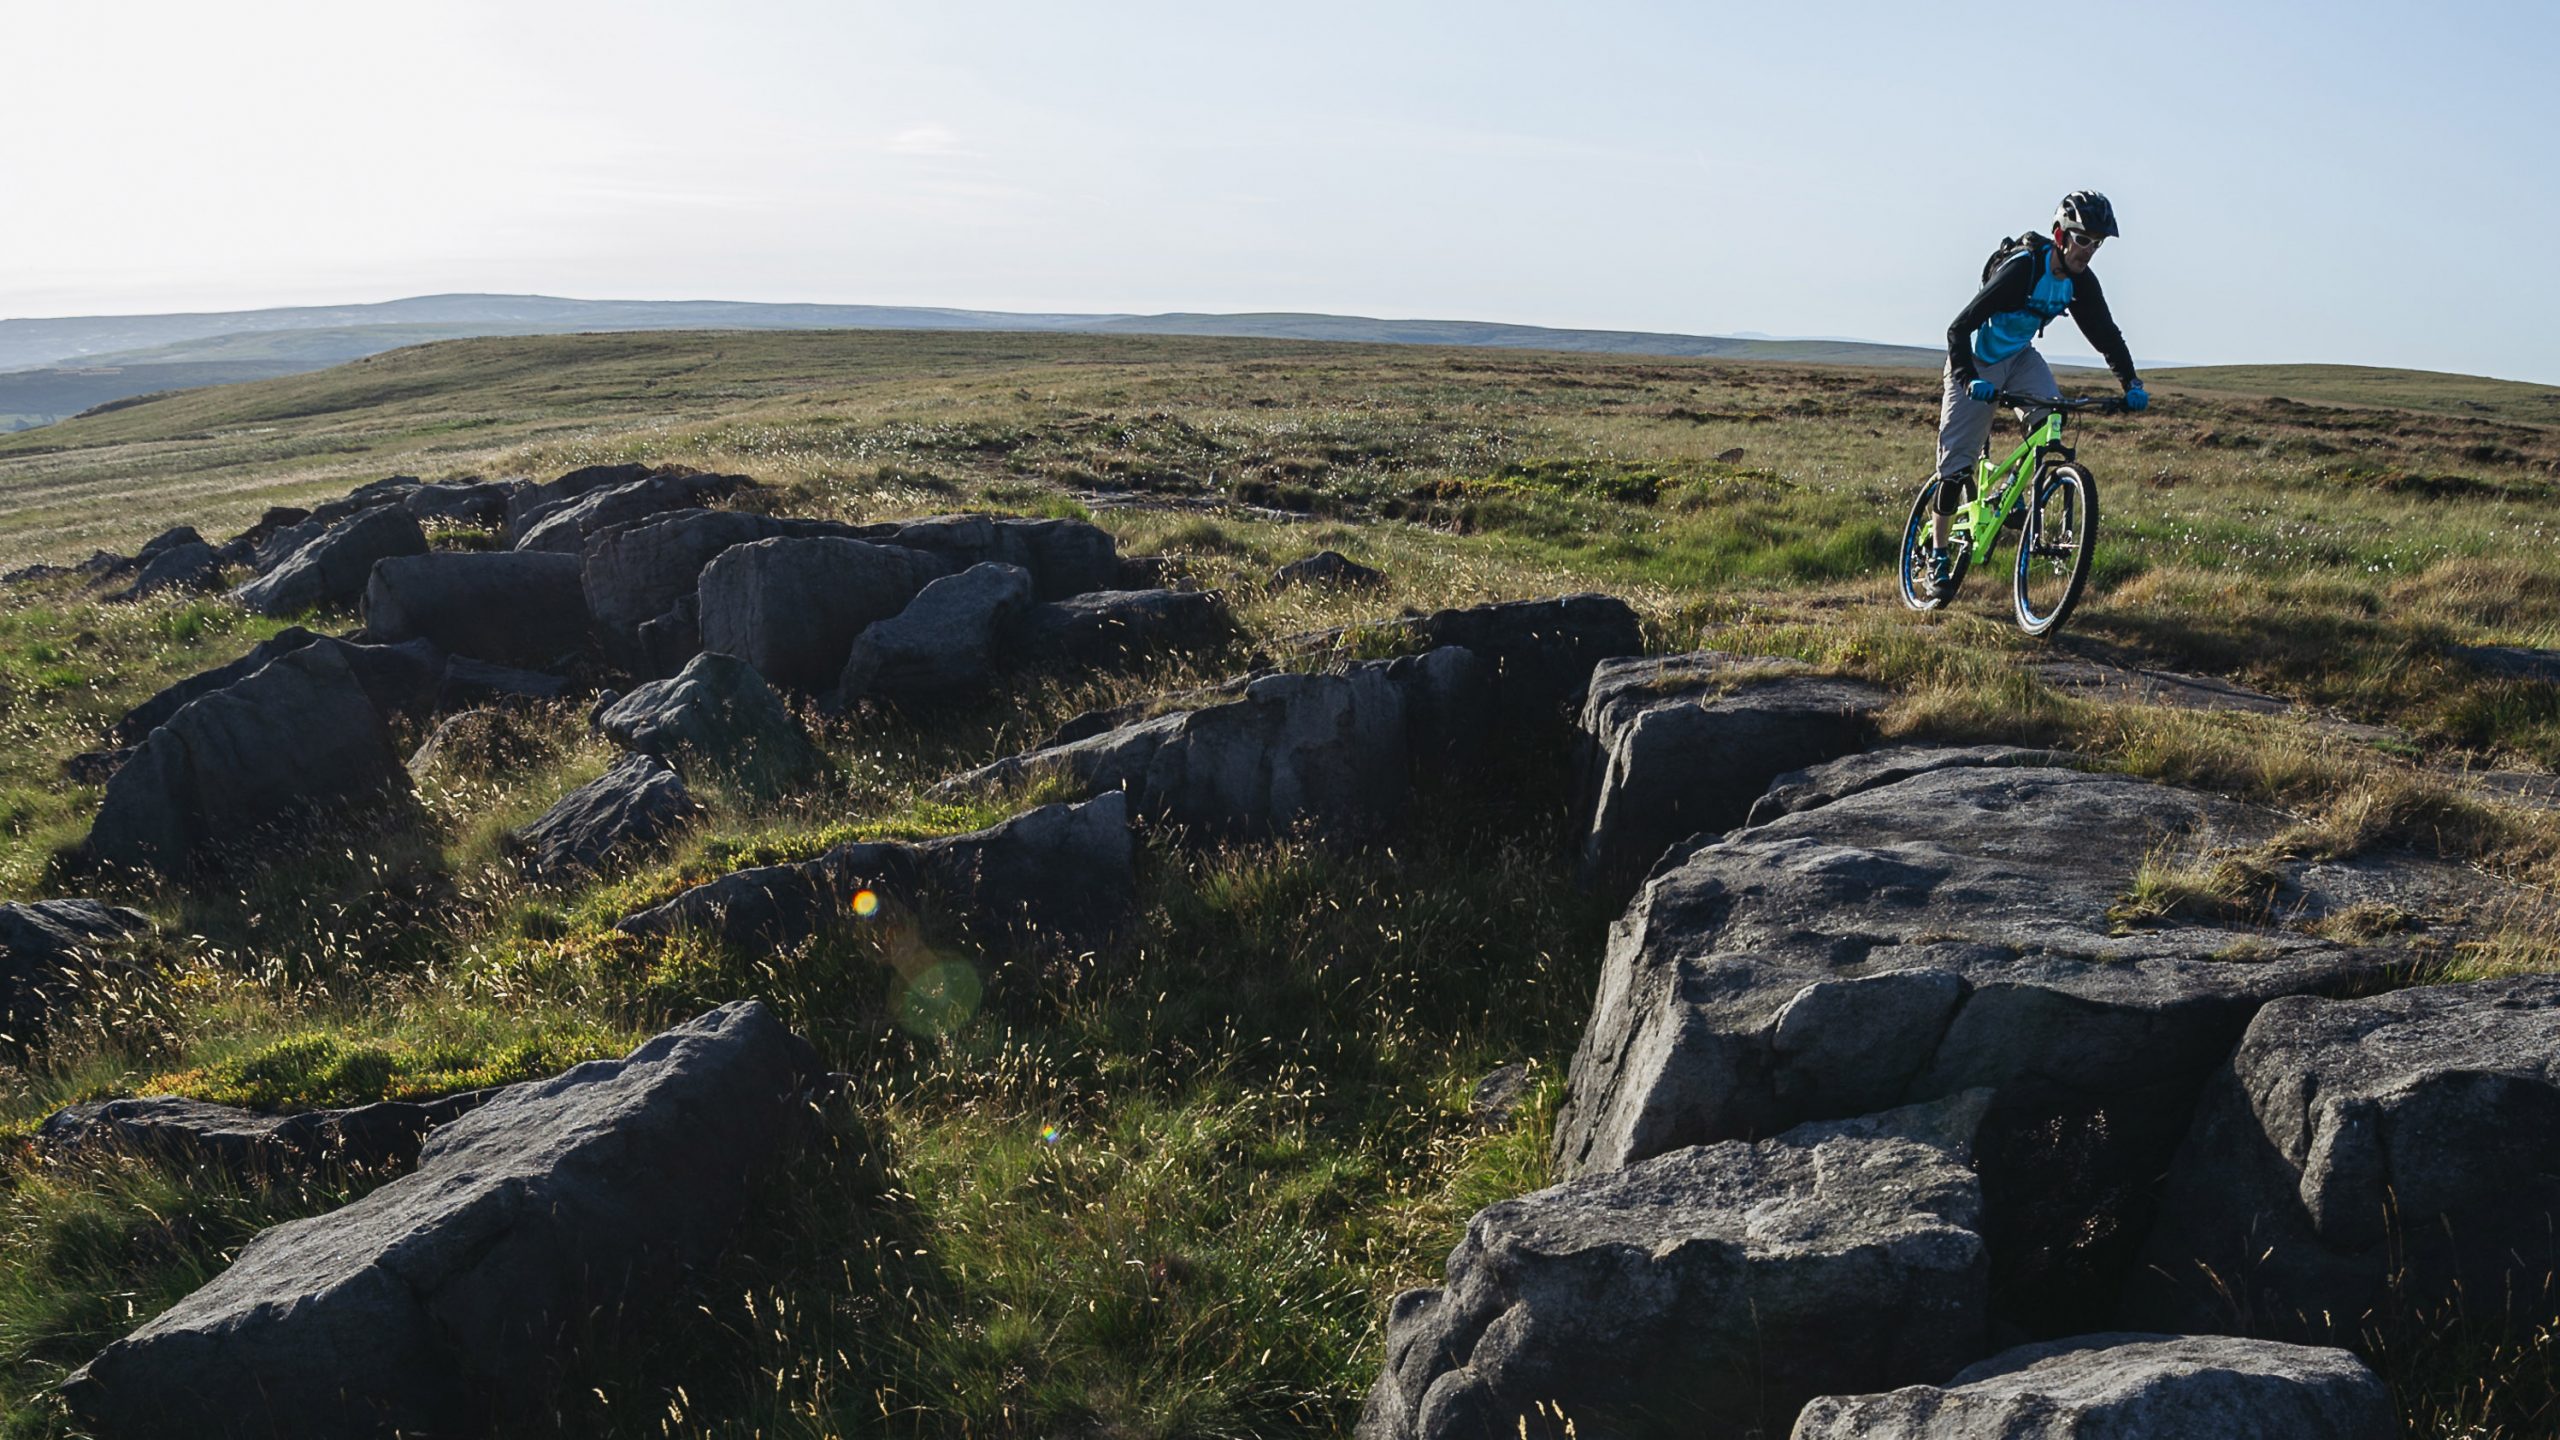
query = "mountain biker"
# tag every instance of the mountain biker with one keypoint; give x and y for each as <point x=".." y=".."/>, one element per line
<point x="1991" y="345"/>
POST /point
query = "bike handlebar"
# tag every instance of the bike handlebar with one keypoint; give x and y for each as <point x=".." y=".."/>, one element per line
<point x="2090" y="404"/>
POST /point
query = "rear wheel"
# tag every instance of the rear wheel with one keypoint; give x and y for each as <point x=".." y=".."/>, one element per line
<point x="2054" y="547"/>
<point x="1919" y="553"/>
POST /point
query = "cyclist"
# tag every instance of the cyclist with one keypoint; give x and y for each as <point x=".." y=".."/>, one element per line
<point x="1991" y="345"/>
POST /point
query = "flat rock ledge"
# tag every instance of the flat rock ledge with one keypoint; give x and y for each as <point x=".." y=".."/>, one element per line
<point x="247" y="1143"/>
<point x="1707" y="1293"/>
<point x="1061" y="873"/>
<point x="1683" y="744"/>
<point x="2127" y="1387"/>
<point x="1818" y="785"/>
<point x="1950" y="931"/>
<point x="451" y="1299"/>
<point x="1333" y="755"/>
<point x="2362" y="1165"/>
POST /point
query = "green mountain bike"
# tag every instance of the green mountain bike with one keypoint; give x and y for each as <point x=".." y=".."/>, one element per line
<point x="2041" y="491"/>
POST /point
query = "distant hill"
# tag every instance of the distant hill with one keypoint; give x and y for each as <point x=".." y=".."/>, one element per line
<point x="57" y="368"/>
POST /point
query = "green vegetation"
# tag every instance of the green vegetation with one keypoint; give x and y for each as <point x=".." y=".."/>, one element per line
<point x="1169" y="1190"/>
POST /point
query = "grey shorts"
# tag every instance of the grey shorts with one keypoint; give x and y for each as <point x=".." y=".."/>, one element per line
<point x="1963" y="421"/>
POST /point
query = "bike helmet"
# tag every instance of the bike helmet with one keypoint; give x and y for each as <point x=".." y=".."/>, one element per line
<point x="2086" y="210"/>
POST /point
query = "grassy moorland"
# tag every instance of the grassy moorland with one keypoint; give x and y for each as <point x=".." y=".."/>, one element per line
<point x="1169" y="1190"/>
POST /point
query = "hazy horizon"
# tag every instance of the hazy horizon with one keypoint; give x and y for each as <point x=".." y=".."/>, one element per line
<point x="2295" y="182"/>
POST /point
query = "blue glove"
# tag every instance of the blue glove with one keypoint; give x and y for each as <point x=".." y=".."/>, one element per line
<point x="2137" y="398"/>
<point x="1983" y="390"/>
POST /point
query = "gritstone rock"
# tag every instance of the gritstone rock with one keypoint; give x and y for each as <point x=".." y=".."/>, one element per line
<point x="1326" y="570"/>
<point x="792" y="607"/>
<point x="2362" y="1165"/>
<point x="1706" y="1293"/>
<point x="191" y="566"/>
<point x="453" y="1299"/>
<point x="300" y="734"/>
<point x="1949" y="931"/>
<point x="717" y="713"/>
<point x="250" y="1143"/>
<point x="333" y="568"/>
<point x="628" y="809"/>
<point x="2127" y="1387"/>
<point x="565" y="527"/>
<point x="515" y="608"/>
<point x="45" y="948"/>
<point x="1114" y="627"/>
<point x="942" y="644"/>
<point x="1058" y="873"/>
<point x="1819" y="785"/>
<point x="1681" y="746"/>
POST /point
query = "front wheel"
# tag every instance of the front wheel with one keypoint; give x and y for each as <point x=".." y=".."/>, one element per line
<point x="2054" y="547"/>
<point x="1918" y="590"/>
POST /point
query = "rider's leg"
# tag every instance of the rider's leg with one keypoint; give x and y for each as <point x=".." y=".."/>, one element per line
<point x="2029" y="375"/>
<point x="1962" y="422"/>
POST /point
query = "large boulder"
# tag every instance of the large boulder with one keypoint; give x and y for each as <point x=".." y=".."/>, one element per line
<point x="478" y="504"/>
<point x="1706" y="1293"/>
<point x="299" y="735"/>
<point x="332" y="569"/>
<point x="1065" y="557"/>
<point x="1963" y="928"/>
<point x="565" y="527"/>
<point x="720" y="715"/>
<point x="2362" y="1166"/>
<point x="634" y="573"/>
<point x="621" y="813"/>
<point x="530" y="503"/>
<point x="151" y="714"/>
<point x="1683" y="745"/>
<point x="792" y="607"/>
<point x="943" y="644"/>
<point x="48" y="946"/>
<point x="243" y="548"/>
<point x="1326" y="570"/>
<point x="508" y="607"/>
<point x="1334" y="754"/>
<point x="1115" y="627"/>
<point x="246" y="1144"/>
<point x="455" y="1298"/>
<point x="1059" y="874"/>
<point x="190" y="566"/>
<point x="2127" y="1387"/>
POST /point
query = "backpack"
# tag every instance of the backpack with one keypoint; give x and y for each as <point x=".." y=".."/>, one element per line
<point x="2010" y="245"/>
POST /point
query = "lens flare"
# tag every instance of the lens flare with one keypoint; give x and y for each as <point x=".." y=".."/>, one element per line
<point x="865" y="904"/>
<point x="1051" y="1134"/>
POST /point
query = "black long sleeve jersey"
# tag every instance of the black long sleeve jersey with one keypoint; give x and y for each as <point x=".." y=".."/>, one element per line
<point x="2018" y="301"/>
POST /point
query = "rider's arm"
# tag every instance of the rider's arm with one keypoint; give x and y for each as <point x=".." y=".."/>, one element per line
<point x="2089" y="312"/>
<point x="2006" y="290"/>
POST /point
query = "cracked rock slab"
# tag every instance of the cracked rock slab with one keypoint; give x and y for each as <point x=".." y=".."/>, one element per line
<point x="453" y="1298"/>
<point x="2363" y="1163"/>
<point x="2127" y="1387"/>
<point x="1705" y="1293"/>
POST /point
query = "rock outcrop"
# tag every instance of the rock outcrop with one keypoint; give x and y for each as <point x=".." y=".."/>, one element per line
<point x="1336" y="755"/>
<point x="453" y="1298"/>
<point x="1682" y="746"/>
<point x="1326" y="570"/>
<point x="792" y="607"/>
<point x="332" y="568"/>
<point x="1116" y="627"/>
<point x="299" y="735"/>
<point x="1058" y="874"/>
<point x="622" y="813"/>
<point x="47" y="946"/>
<point x="2127" y="1387"/>
<point x="565" y="526"/>
<point x="246" y="1144"/>
<point x="516" y="608"/>
<point x="1706" y="1293"/>
<point x="1818" y="785"/>
<point x="720" y="715"/>
<point x="1950" y="931"/>
<point x="2362" y="1165"/>
<point x="943" y="644"/>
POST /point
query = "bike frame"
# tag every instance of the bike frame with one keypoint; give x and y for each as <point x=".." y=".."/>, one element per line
<point x="1980" y="520"/>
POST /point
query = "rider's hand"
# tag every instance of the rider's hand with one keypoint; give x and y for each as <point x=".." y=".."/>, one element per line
<point x="2137" y="398"/>
<point x="1983" y="390"/>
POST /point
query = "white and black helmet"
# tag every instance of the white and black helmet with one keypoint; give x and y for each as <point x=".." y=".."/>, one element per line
<point x="2086" y="211"/>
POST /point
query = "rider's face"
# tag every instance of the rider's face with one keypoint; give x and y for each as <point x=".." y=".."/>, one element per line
<point x="2076" y="248"/>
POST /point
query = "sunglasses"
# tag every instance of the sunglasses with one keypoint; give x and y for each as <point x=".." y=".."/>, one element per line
<point x="2082" y="239"/>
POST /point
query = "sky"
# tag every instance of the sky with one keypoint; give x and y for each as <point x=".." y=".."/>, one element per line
<point x="2342" y="182"/>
